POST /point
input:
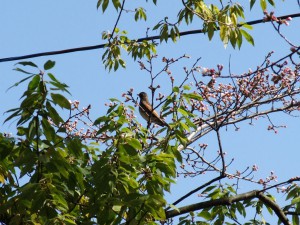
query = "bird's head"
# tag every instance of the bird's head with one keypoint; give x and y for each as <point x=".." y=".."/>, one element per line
<point x="143" y="95"/>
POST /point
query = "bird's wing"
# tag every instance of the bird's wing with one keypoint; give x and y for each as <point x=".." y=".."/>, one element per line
<point x="154" y="117"/>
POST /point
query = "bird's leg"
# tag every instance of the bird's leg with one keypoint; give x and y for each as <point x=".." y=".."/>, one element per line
<point x="148" y="124"/>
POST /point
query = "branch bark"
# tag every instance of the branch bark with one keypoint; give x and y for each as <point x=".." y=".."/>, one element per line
<point x="269" y="202"/>
<point x="230" y="200"/>
<point x="212" y="203"/>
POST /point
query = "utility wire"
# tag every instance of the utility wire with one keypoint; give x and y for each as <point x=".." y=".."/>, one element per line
<point x="87" y="48"/>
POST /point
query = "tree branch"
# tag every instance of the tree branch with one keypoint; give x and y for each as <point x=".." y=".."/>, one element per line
<point x="230" y="200"/>
<point x="118" y="19"/>
<point x="269" y="202"/>
<point x="211" y="203"/>
<point x="197" y="134"/>
<point x="197" y="189"/>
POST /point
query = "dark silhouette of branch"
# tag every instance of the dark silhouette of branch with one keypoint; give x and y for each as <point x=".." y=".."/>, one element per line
<point x="288" y="56"/>
<point x="269" y="202"/>
<point x="292" y="213"/>
<point x="230" y="200"/>
<point x="157" y="37"/>
<point x="197" y="189"/>
<point x="221" y="153"/>
<point x="211" y="203"/>
<point x="118" y="19"/>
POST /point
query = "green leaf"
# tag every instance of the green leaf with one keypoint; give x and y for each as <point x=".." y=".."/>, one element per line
<point x="296" y="200"/>
<point x="61" y="203"/>
<point x="223" y="32"/>
<point x="6" y="147"/>
<point x="165" y="168"/>
<point x="208" y="189"/>
<point x="177" y="154"/>
<point x="293" y="192"/>
<point x="101" y="119"/>
<point x="174" y="207"/>
<point x="52" y="77"/>
<point x="75" y="147"/>
<point x="241" y="209"/>
<point x="27" y="63"/>
<point x="193" y="96"/>
<point x="252" y="2"/>
<point x="205" y="215"/>
<point x="15" y="114"/>
<point x="189" y="122"/>
<point x="21" y="70"/>
<point x="99" y="3"/>
<point x="176" y="89"/>
<point x="116" y="4"/>
<point x="21" y="81"/>
<point x="60" y="100"/>
<point x="183" y="111"/>
<point x="157" y="26"/>
<point x="295" y="219"/>
<point x="53" y="114"/>
<point x="263" y="4"/>
<point x="247" y="36"/>
<point x="48" y="130"/>
<point x="233" y="38"/>
<point x="271" y="2"/>
<point x="187" y="87"/>
<point x="30" y="101"/>
<point x="128" y="149"/>
<point x="104" y="5"/>
<point x="122" y="63"/>
<point x="239" y="39"/>
<point x="49" y="65"/>
<point x="210" y="30"/>
<point x="33" y="126"/>
<point x="184" y="126"/>
<point x="33" y="84"/>
<point x="164" y="35"/>
<point x="116" y="65"/>
<point x="58" y="84"/>
<point x="134" y="143"/>
<point x="181" y="137"/>
<point x="247" y="26"/>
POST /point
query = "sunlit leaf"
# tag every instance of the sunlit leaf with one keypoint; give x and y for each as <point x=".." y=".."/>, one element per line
<point x="247" y="36"/>
<point x="263" y="4"/>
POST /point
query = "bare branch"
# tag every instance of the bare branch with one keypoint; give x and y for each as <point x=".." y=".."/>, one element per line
<point x="196" y="190"/>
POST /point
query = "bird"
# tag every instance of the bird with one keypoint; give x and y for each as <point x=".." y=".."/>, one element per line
<point x="148" y="113"/>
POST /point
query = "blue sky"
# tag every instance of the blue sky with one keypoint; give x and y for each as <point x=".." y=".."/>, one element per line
<point x="36" y="26"/>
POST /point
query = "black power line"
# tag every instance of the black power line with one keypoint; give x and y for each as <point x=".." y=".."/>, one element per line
<point x="87" y="48"/>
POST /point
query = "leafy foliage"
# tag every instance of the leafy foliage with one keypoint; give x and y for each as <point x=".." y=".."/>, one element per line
<point x="52" y="173"/>
<point x="226" y="18"/>
<point x="118" y="171"/>
<point x="48" y="174"/>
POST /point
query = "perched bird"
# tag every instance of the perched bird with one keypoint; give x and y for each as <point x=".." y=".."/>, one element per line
<point x="147" y="111"/>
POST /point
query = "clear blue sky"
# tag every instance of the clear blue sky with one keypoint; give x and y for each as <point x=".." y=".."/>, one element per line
<point x="36" y="26"/>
